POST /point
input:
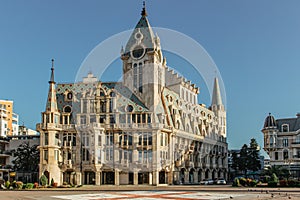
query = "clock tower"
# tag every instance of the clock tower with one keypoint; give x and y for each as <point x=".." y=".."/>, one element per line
<point x="143" y="64"/>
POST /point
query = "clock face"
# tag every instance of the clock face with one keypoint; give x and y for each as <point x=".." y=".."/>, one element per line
<point x="138" y="52"/>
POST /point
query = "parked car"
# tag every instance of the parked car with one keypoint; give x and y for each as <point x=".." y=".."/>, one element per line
<point x="221" y="181"/>
<point x="210" y="182"/>
<point x="204" y="182"/>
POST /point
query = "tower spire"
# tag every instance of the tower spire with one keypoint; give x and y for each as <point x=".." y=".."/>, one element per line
<point x="216" y="97"/>
<point x="52" y="72"/>
<point x="51" y="101"/>
<point x="144" y="12"/>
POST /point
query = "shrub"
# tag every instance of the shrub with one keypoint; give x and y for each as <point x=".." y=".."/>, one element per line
<point x="243" y="181"/>
<point x="19" y="185"/>
<point x="283" y="183"/>
<point x="29" y="186"/>
<point x="44" y="180"/>
<point x="236" y="182"/>
<point x="274" y="178"/>
<point x="292" y="183"/>
<point x="272" y="184"/>
<point x="253" y="183"/>
<point x="7" y="184"/>
<point x="13" y="184"/>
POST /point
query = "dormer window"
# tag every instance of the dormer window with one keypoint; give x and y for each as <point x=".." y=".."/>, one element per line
<point x="285" y="128"/>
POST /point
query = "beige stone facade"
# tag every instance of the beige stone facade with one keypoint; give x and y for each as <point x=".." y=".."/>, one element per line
<point x="147" y="129"/>
<point x="282" y="143"/>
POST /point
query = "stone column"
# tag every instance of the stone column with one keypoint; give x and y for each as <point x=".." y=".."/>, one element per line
<point x="186" y="176"/>
<point x="135" y="178"/>
<point x="150" y="178"/>
<point x="98" y="178"/>
<point x="170" y="177"/>
<point x="117" y="177"/>
<point x="155" y="178"/>
<point x="78" y="178"/>
<point x="195" y="177"/>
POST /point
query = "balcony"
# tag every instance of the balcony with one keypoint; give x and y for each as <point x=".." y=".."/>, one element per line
<point x="295" y="144"/>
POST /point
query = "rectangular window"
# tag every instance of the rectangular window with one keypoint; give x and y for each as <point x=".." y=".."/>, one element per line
<point x="46" y="139"/>
<point x="140" y="78"/>
<point x="122" y="118"/>
<point x="145" y="139"/>
<point x="99" y="140"/>
<point x="92" y="118"/>
<point x="149" y="138"/>
<point x="285" y="142"/>
<point x="129" y="139"/>
<point x="46" y="155"/>
<point x="135" y="75"/>
<point x="83" y="119"/>
<point x="99" y="155"/>
<point x="130" y="155"/>
<point x="84" y="106"/>
<point x="276" y="155"/>
<point x="140" y="138"/>
<point x="140" y="156"/>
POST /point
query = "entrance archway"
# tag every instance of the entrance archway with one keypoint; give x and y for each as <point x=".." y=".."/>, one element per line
<point x="182" y="175"/>
<point x="200" y="175"/>
<point x="162" y="177"/>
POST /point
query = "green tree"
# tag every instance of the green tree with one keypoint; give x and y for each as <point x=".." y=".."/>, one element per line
<point x="243" y="159"/>
<point x="253" y="163"/>
<point x="27" y="158"/>
<point x="248" y="158"/>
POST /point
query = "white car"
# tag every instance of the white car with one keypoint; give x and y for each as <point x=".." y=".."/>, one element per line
<point x="204" y="182"/>
<point x="221" y="181"/>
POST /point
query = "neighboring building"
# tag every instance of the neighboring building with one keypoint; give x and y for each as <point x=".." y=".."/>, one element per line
<point x="147" y="129"/>
<point x="23" y="130"/>
<point x="14" y="143"/>
<point x="3" y="121"/>
<point x="4" y="159"/>
<point x="9" y="120"/>
<point x="282" y="142"/>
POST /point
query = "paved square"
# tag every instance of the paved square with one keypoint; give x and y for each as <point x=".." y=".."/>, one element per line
<point x="149" y="195"/>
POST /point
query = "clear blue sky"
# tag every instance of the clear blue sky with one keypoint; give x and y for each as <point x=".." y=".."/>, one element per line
<point x="255" y="44"/>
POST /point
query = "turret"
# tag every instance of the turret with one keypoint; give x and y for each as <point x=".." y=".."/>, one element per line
<point x="51" y="114"/>
<point x="270" y="133"/>
<point x="218" y="108"/>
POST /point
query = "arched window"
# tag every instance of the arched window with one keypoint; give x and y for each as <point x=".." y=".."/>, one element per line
<point x="285" y="128"/>
<point x="67" y="109"/>
<point x="285" y="154"/>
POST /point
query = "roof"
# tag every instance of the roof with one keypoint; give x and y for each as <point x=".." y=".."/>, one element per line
<point x="270" y="122"/>
<point x="146" y="39"/>
<point x="126" y="96"/>
<point x="294" y="123"/>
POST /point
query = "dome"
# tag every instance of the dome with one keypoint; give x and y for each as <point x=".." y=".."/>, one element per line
<point x="270" y="122"/>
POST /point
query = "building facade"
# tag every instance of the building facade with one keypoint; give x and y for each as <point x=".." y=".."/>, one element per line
<point x="282" y="143"/>
<point x="146" y="129"/>
<point x="9" y="121"/>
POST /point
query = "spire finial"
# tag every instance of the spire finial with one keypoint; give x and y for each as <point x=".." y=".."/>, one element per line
<point x="52" y="72"/>
<point x="144" y="13"/>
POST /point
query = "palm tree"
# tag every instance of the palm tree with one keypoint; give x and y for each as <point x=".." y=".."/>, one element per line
<point x="278" y="170"/>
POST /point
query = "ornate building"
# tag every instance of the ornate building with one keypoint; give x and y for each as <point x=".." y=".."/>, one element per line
<point x="282" y="142"/>
<point x="146" y="129"/>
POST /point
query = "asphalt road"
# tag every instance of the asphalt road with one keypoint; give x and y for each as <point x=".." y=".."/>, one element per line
<point x="159" y="192"/>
